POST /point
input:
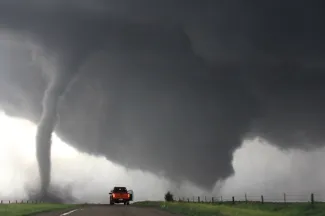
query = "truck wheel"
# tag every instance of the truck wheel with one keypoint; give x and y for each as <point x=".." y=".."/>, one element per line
<point x="111" y="203"/>
<point x="127" y="203"/>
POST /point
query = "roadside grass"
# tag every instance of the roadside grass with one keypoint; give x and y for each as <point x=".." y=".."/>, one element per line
<point x="31" y="209"/>
<point x="241" y="209"/>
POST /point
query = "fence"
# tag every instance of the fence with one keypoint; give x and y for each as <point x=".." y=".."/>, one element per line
<point x="282" y="198"/>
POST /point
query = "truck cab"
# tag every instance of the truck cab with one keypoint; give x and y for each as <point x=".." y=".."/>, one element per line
<point x="120" y="195"/>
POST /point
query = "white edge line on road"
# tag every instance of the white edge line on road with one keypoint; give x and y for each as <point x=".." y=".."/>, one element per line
<point x="70" y="212"/>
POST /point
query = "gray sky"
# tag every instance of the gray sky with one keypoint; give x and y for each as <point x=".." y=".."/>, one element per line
<point x="141" y="82"/>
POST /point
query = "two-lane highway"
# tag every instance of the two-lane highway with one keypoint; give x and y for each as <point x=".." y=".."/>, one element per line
<point x="116" y="210"/>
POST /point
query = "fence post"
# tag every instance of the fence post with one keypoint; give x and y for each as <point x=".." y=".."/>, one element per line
<point x="193" y="199"/>
<point x="233" y="200"/>
<point x="262" y="199"/>
<point x="188" y="199"/>
<point x="212" y="200"/>
<point x="1" y="202"/>
<point x="198" y="199"/>
<point x="221" y="199"/>
<point x="284" y="198"/>
<point x="246" y="198"/>
<point x="312" y="198"/>
<point x="205" y="198"/>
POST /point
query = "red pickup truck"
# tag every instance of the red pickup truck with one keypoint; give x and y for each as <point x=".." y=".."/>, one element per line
<point x="120" y="195"/>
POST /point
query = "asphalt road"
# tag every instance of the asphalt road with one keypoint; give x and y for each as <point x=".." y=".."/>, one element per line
<point x="116" y="210"/>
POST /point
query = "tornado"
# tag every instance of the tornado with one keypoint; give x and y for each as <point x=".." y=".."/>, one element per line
<point x="45" y="129"/>
<point x="58" y="82"/>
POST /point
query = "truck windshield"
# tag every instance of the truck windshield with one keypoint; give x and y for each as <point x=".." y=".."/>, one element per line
<point x="120" y="189"/>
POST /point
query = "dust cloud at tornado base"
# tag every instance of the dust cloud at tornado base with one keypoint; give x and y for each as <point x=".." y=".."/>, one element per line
<point x="194" y="83"/>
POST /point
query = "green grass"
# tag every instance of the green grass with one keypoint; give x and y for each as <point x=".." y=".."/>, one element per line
<point x="30" y="209"/>
<point x="256" y="209"/>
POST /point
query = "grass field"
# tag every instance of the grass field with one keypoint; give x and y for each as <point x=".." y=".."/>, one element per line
<point x="29" y="209"/>
<point x="256" y="209"/>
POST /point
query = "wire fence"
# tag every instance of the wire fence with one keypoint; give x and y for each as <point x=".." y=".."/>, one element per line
<point x="276" y="198"/>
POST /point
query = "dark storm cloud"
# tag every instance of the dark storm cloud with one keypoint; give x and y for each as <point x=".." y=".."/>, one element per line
<point x="171" y="86"/>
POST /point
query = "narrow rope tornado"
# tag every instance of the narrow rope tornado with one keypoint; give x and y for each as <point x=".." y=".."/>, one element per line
<point x="46" y="126"/>
<point x="44" y="133"/>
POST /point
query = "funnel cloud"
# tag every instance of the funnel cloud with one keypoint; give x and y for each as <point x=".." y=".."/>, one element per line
<point x="170" y="87"/>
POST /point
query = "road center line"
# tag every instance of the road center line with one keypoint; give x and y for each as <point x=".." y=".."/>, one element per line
<point x="70" y="212"/>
